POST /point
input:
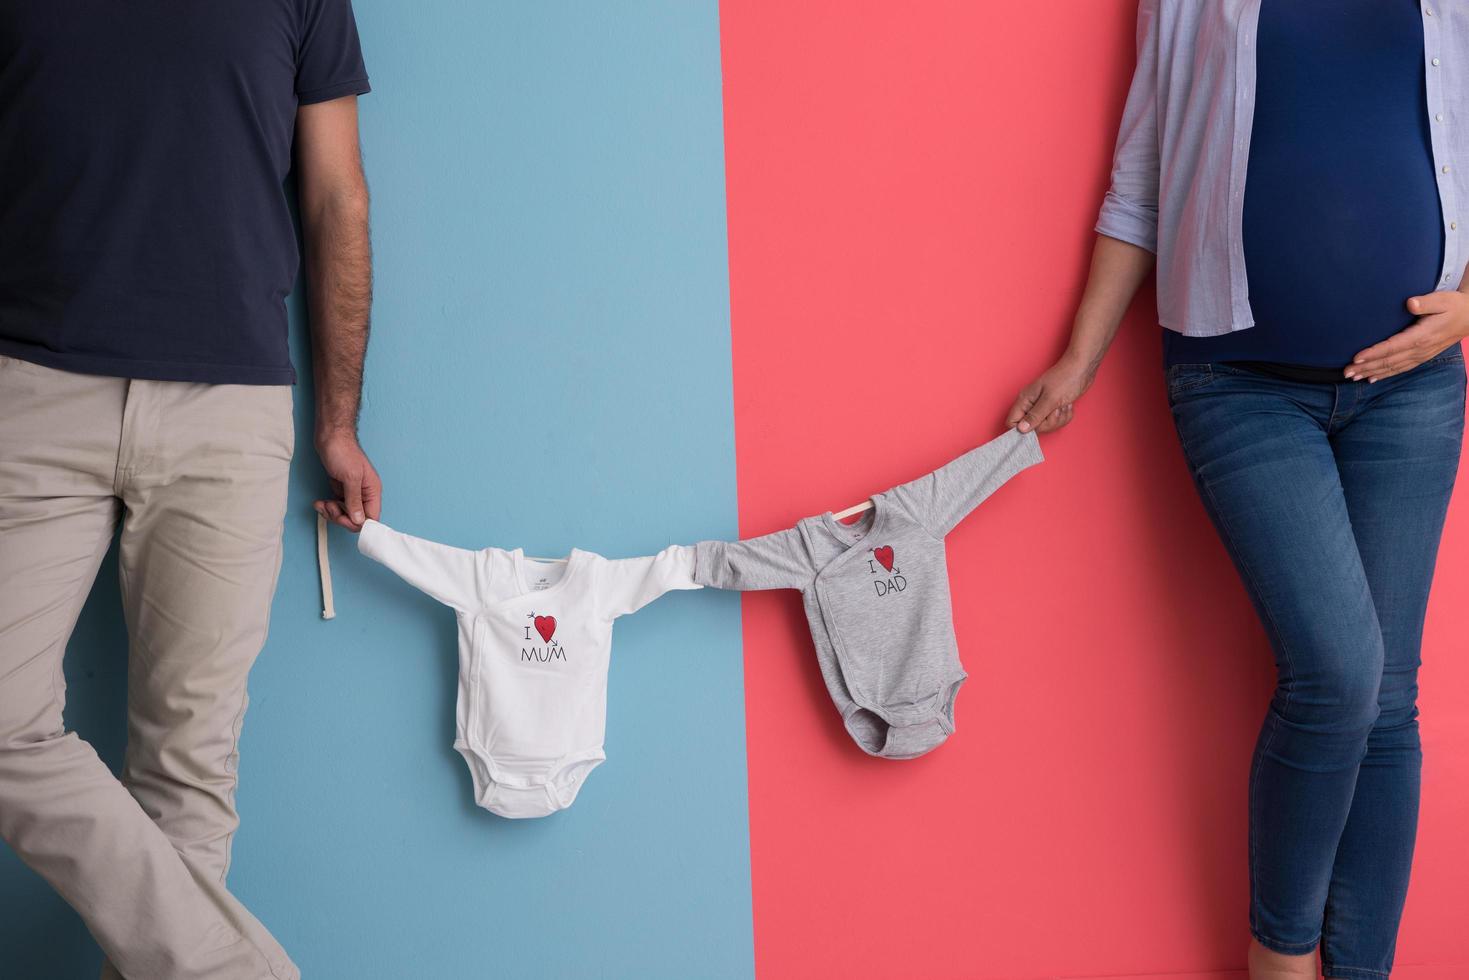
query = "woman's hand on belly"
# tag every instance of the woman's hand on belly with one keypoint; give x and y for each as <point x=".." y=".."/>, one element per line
<point x="1443" y="321"/>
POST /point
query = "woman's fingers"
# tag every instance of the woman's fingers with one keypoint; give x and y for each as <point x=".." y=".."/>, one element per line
<point x="1023" y="402"/>
<point x="1376" y="356"/>
<point x="1386" y="368"/>
<point x="1046" y="402"/>
<point x="1058" y="418"/>
<point x="1375" y="370"/>
<point x="1430" y="303"/>
<point x="1401" y="352"/>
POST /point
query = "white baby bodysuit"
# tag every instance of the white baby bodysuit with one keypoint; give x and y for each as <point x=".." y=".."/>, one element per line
<point x="535" y="644"/>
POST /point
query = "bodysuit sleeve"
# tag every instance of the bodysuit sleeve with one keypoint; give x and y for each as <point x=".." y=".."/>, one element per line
<point x="451" y="575"/>
<point x="626" y="585"/>
<point x="943" y="498"/>
<point x="771" y="561"/>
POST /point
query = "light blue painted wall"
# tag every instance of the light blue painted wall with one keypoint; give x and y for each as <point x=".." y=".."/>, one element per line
<point x="550" y="367"/>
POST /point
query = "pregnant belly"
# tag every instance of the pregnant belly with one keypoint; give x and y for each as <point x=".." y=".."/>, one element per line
<point x="1332" y="262"/>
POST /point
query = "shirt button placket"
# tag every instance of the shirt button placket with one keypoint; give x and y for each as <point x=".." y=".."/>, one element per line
<point x="1433" y="94"/>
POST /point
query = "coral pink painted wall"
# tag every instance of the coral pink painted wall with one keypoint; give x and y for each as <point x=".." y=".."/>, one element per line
<point x="911" y="190"/>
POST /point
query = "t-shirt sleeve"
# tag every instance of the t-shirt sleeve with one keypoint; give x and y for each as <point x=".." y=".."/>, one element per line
<point x="451" y="575"/>
<point x="771" y="561"/>
<point x="329" y="57"/>
<point x="626" y="585"/>
<point x="943" y="498"/>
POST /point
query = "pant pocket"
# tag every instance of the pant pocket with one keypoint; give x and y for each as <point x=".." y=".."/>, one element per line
<point x="1183" y="378"/>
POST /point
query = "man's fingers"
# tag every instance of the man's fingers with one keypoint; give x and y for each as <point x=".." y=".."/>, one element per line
<point x="353" y="499"/>
<point x="355" y="487"/>
<point x="333" y="511"/>
<point x="372" y="495"/>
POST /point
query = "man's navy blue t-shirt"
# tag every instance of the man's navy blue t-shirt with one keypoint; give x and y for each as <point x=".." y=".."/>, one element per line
<point x="144" y="226"/>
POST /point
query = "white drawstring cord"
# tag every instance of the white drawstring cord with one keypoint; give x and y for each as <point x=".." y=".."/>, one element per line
<point x="323" y="564"/>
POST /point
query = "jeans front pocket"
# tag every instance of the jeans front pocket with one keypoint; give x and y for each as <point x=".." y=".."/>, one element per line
<point x="1450" y="355"/>
<point x="1183" y="378"/>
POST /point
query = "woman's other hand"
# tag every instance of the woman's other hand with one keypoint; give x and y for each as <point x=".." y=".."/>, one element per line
<point x="1443" y="321"/>
<point x="1049" y="402"/>
<point x="1118" y="270"/>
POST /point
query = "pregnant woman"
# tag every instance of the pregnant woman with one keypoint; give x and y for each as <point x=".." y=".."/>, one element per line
<point x="1296" y="169"/>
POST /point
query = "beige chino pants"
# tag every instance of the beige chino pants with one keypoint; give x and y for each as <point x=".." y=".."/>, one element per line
<point x="197" y="475"/>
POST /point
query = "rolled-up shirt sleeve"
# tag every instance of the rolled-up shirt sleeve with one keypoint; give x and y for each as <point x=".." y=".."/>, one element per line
<point x="1130" y="210"/>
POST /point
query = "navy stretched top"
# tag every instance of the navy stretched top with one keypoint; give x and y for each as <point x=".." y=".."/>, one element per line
<point x="1342" y="221"/>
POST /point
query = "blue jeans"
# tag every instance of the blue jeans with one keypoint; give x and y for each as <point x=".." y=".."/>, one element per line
<point x="1330" y="499"/>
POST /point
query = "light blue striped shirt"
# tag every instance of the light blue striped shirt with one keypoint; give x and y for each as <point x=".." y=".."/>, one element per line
<point x="1178" y="178"/>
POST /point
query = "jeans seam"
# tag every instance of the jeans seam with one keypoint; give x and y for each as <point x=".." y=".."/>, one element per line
<point x="1327" y="919"/>
<point x="1280" y="946"/>
<point x="1350" y="972"/>
<point x="1285" y="654"/>
<point x="1335" y="406"/>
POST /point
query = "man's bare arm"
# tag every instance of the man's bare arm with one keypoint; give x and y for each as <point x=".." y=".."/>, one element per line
<point x="334" y="223"/>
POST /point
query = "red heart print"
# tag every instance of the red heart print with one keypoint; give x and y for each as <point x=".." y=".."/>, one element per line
<point x="884" y="556"/>
<point x="546" y="626"/>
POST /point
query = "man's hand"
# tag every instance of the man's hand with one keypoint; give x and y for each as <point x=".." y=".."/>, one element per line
<point x="1048" y="402"/>
<point x="1443" y="320"/>
<point x="357" y="488"/>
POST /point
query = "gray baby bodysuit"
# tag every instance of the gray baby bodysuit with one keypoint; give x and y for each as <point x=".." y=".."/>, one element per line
<point x="877" y="595"/>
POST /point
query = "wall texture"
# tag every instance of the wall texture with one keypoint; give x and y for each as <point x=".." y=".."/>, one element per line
<point x="911" y="192"/>
<point x="911" y="188"/>
<point x="549" y="368"/>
